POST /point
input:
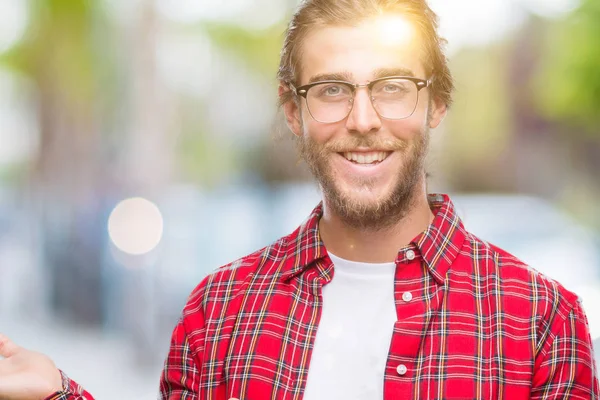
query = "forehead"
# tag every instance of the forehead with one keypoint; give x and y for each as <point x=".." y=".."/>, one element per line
<point x="360" y="51"/>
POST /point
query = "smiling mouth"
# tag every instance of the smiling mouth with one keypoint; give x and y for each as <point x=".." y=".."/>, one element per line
<point x="366" y="158"/>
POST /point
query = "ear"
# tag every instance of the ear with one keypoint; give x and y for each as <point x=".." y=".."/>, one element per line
<point x="437" y="113"/>
<point x="292" y="112"/>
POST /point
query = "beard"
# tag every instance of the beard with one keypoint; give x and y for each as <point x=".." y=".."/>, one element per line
<point x="382" y="212"/>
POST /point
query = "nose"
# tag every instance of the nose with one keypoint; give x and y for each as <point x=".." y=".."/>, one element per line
<point x="363" y="118"/>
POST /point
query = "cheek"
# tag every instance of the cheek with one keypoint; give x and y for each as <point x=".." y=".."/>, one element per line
<point x="406" y="129"/>
<point x="319" y="132"/>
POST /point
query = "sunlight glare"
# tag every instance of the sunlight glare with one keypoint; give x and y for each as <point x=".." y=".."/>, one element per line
<point x="394" y="30"/>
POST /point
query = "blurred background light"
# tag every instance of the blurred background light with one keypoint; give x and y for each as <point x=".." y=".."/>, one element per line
<point x="13" y="22"/>
<point x="486" y="21"/>
<point x="490" y="20"/>
<point x="135" y="226"/>
<point x="18" y="131"/>
<point x="186" y="63"/>
<point x="552" y="8"/>
<point x="187" y="11"/>
<point x="190" y="11"/>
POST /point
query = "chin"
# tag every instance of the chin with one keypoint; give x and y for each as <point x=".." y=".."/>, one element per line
<point x="365" y="193"/>
<point x="359" y="201"/>
<point x="365" y="200"/>
<point x="372" y="208"/>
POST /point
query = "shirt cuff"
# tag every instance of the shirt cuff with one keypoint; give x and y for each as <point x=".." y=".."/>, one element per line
<point x="71" y="390"/>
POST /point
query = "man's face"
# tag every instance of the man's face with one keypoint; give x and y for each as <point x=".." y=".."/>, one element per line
<point x="365" y="195"/>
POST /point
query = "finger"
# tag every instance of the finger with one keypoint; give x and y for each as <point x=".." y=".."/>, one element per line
<point x="7" y="347"/>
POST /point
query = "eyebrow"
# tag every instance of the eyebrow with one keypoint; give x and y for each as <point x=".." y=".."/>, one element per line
<point x="335" y="76"/>
<point x="348" y="77"/>
<point x="383" y="72"/>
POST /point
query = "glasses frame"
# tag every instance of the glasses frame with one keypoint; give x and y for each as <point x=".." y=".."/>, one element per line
<point x="302" y="91"/>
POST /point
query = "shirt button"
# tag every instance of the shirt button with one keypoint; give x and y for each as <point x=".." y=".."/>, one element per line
<point x="407" y="296"/>
<point x="410" y="254"/>
<point x="401" y="369"/>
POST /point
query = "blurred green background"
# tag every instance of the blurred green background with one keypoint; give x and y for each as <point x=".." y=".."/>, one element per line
<point x="175" y="102"/>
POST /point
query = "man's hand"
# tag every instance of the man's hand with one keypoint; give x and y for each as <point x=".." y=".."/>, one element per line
<point x="25" y="374"/>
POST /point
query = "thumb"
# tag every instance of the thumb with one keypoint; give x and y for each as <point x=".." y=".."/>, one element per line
<point x="7" y="347"/>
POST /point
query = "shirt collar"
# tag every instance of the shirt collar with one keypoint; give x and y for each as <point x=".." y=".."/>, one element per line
<point x="441" y="242"/>
<point x="438" y="245"/>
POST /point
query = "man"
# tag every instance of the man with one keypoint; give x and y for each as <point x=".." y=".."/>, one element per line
<point x="381" y="293"/>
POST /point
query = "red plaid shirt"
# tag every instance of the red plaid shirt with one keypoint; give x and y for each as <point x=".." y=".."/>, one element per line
<point x="480" y="324"/>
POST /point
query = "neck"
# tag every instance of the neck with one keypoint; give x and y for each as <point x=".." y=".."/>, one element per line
<point x="375" y="245"/>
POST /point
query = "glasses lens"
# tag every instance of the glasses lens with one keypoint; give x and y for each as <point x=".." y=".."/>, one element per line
<point x="329" y="102"/>
<point x="395" y="98"/>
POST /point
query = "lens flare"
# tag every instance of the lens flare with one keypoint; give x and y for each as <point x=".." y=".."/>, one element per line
<point x="394" y="30"/>
<point x="135" y="226"/>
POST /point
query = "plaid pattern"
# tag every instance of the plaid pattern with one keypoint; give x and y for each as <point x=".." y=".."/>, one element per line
<point x="480" y="325"/>
<point x="71" y="391"/>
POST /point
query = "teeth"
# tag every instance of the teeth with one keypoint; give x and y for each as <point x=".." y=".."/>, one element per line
<point x="366" y="158"/>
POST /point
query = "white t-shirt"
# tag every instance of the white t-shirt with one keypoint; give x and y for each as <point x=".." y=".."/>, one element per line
<point x="354" y="334"/>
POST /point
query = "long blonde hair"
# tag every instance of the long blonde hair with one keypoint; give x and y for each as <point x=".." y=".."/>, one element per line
<point x="312" y="14"/>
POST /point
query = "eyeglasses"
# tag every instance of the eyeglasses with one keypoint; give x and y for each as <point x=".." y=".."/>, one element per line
<point x="393" y="97"/>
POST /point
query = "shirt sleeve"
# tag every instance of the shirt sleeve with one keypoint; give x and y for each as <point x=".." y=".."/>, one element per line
<point x="71" y="391"/>
<point x="565" y="366"/>
<point x="181" y="375"/>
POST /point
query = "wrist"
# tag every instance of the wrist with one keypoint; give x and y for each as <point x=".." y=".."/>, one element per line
<point x="57" y="385"/>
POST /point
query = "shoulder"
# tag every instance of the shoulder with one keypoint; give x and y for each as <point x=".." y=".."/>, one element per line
<point x="498" y="264"/>
<point x="230" y="280"/>
<point x="520" y="288"/>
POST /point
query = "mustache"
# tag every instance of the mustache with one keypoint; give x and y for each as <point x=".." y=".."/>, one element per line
<point x="366" y="142"/>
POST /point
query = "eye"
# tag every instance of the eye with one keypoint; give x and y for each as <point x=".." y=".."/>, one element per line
<point x="333" y="90"/>
<point x="393" y="88"/>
